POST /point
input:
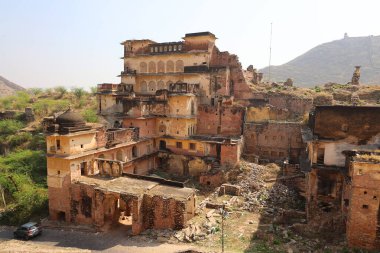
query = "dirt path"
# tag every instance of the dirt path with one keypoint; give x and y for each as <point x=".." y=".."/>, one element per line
<point x="74" y="241"/>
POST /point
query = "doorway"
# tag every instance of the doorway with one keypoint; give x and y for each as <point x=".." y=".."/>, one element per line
<point x="162" y="145"/>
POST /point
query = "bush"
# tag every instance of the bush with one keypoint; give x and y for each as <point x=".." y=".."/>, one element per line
<point x="18" y="139"/>
<point x="90" y="115"/>
<point x="15" y="102"/>
<point x="10" y="126"/>
<point x="78" y="92"/>
<point x="27" y="199"/>
<point x="23" y="178"/>
<point x="44" y="107"/>
<point x="60" y="90"/>
<point x="26" y="162"/>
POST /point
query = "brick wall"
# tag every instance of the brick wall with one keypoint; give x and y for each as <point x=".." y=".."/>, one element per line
<point x="274" y="140"/>
<point x="223" y="121"/>
<point x="364" y="206"/>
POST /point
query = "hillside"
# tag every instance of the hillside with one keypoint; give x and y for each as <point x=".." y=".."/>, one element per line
<point x="7" y="87"/>
<point x="333" y="62"/>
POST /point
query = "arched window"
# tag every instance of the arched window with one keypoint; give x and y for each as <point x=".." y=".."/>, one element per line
<point x="143" y="67"/>
<point x="134" y="151"/>
<point x="152" y="86"/>
<point x="160" y="85"/>
<point x="161" y="67"/>
<point x="169" y="66"/>
<point x="152" y="67"/>
<point x="179" y="66"/>
<point x="143" y="86"/>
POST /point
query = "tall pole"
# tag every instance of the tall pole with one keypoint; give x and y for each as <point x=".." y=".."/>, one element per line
<point x="270" y="51"/>
<point x="223" y="229"/>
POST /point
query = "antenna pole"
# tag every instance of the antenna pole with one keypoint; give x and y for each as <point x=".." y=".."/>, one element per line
<point x="270" y="51"/>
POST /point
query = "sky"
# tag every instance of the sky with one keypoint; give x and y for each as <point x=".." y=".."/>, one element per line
<point x="76" y="43"/>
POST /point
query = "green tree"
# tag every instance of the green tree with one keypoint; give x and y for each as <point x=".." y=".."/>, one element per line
<point x="10" y="126"/>
<point x="90" y="115"/>
<point x="78" y="92"/>
<point x="60" y="90"/>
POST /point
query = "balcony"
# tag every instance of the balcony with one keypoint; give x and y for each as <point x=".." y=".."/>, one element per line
<point x="181" y="88"/>
<point x="121" y="135"/>
<point x="196" y="69"/>
<point x="120" y="89"/>
<point x="107" y="87"/>
<point x="128" y="71"/>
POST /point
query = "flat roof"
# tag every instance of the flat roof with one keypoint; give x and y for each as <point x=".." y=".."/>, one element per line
<point x="199" y="34"/>
<point x="136" y="187"/>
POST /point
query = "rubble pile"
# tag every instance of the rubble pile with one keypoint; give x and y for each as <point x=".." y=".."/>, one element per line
<point x="258" y="194"/>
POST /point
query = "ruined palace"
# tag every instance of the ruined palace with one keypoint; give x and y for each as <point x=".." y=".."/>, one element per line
<point x="343" y="173"/>
<point x="173" y="111"/>
<point x="186" y="110"/>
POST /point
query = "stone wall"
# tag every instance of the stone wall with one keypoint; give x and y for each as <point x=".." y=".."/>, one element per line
<point x="363" y="222"/>
<point x="220" y="120"/>
<point x="95" y="206"/>
<point x="274" y="140"/>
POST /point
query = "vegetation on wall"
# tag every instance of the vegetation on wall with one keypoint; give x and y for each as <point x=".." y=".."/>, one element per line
<point x="23" y="187"/>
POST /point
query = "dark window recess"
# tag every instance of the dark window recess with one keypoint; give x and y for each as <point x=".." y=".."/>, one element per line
<point x="61" y="216"/>
<point x="134" y="151"/>
<point x="86" y="206"/>
<point x="365" y="206"/>
<point x="346" y="202"/>
<point x="192" y="146"/>
<point x="178" y="144"/>
<point x="58" y="144"/>
<point x="83" y="166"/>
<point x="162" y="144"/>
<point x="321" y="156"/>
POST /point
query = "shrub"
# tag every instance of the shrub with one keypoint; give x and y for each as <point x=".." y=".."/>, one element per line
<point x="44" y="107"/>
<point x="78" y="92"/>
<point x="23" y="178"/>
<point x="90" y="115"/>
<point x="35" y="91"/>
<point x="60" y="90"/>
<point x="10" y="126"/>
<point x="26" y="162"/>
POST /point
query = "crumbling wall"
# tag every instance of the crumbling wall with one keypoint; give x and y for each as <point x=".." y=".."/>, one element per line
<point x="363" y="222"/>
<point x="224" y="121"/>
<point x="324" y="197"/>
<point x="340" y="122"/>
<point x="238" y="86"/>
<point x="183" y="165"/>
<point x="274" y="140"/>
<point x="230" y="154"/>
<point x="212" y="179"/>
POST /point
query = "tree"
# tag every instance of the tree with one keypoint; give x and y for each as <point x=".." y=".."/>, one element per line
<point x="60" y="90"/>
<point x="78" y="92"/>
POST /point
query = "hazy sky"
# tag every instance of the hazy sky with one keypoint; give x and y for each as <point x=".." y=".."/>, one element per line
<point x="76" y="43"/>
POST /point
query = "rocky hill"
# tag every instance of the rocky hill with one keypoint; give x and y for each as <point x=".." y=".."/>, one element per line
<point x="333" y="62"/>
<point x="7" y="87"/>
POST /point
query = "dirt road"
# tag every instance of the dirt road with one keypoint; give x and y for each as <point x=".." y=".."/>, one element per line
<point x="73" y="241"/>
